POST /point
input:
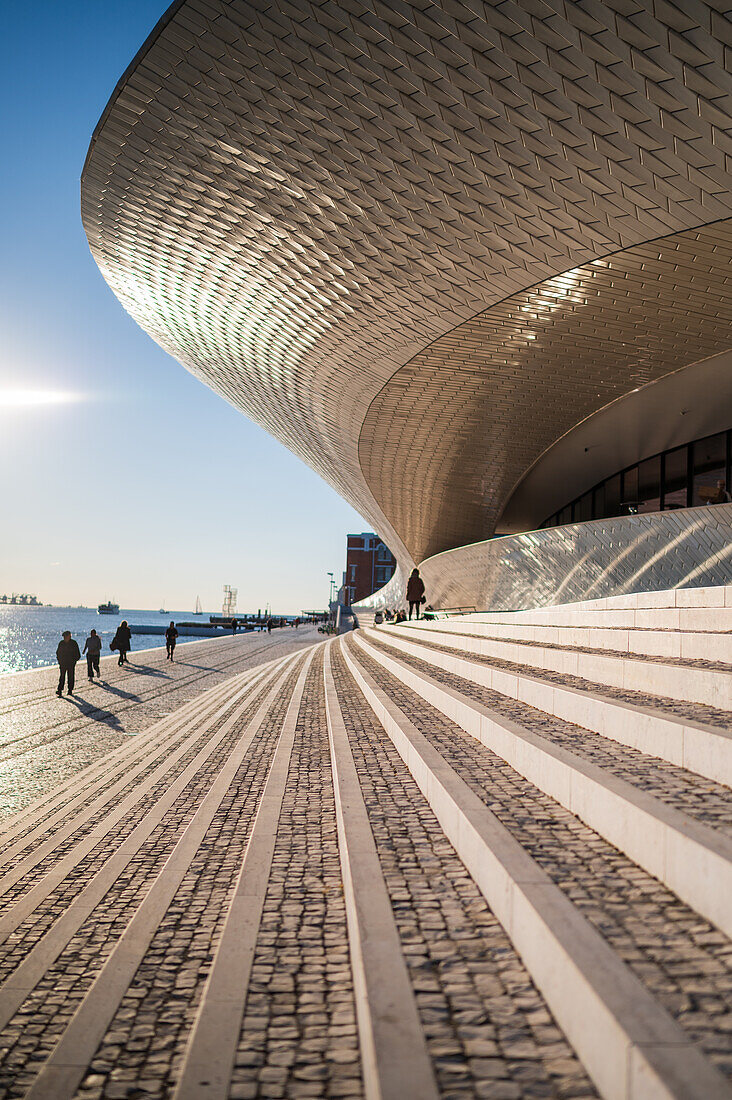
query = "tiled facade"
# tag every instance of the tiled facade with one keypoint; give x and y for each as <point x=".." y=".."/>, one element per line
<point x="419" y="242"/>
<point x="690" y="548"/>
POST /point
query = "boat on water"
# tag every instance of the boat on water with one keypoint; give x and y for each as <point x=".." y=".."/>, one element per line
<point x="198" y="610"/>
<point x="108" y="608"/>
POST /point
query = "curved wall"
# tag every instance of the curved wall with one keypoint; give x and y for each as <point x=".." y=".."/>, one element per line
<point x="585" y="561"/>
<point x="417" y="243"/>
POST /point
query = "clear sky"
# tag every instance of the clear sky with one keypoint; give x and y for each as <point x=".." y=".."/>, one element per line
<point x="142" y="485"/>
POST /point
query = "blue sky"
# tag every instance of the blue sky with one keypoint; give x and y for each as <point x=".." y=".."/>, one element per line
<point x="146" y="487"/>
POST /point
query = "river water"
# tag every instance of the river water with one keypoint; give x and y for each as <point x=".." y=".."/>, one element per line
<point x="29" y="635"/>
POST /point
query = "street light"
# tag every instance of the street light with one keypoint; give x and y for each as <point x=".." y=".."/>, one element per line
<point x="330" y="597"/>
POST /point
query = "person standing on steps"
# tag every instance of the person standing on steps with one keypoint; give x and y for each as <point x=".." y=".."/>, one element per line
<point x="93" y="649"/>
<point x="415" y="591"/>
<point x="171" y="636"/>
<point x="67" y="654"/>
<point x="122" y="642"/>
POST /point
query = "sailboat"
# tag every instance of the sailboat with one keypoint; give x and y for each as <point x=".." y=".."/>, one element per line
<point x="198" y="610"/>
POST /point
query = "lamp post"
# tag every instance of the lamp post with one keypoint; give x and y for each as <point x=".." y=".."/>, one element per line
<point x="330" y="595"/>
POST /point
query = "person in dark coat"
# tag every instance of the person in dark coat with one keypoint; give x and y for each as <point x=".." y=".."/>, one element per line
<point x="171" y="637"/>
<point x="234" y="625"/>
<point x="415" y="591"/>
<point x="67" y="654"/>
<point x="122" y="642"/>
<point x="92" y="648"/>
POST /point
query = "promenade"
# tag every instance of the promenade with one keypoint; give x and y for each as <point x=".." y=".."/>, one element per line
<point x="45" y="740"/>
<point x="387" y="865"/>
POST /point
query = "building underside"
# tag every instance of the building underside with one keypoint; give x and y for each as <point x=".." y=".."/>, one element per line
<point x="465" y="259"/>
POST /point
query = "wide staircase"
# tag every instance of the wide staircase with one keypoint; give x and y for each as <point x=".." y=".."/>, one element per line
<point x="486" y="856"/>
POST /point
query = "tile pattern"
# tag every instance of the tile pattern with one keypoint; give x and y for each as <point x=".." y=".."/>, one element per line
<point x="297" y="200"/>
<point x="690" y="548"/>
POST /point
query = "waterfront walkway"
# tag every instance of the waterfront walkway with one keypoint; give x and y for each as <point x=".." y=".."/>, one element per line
<point x="44" y="739"/>
<point x="364" y="870"/>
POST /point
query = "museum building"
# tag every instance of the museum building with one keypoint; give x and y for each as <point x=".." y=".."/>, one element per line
<point x="471" y="263"/>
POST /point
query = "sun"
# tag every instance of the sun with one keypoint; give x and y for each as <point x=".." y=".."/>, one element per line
<point x="13" y="399"/>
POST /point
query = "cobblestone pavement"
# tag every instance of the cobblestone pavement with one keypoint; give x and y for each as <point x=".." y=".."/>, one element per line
<point x="488" y="1028"/>
<point x="298" y="1036"/>
<point x="144" y="1044"/>
<point x="45" y="740"/>
<point x="127" y="894"/>
<point x="682" y="960"/>
<point x="653" y="658"/>
<point x="695" y="795"/>
<point x="694" y="712"/>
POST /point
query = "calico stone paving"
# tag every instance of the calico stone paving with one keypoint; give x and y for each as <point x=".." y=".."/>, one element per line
<point x="683" y="960"/>
<point x="73" y="887"/>
<point x="45" y="740"/>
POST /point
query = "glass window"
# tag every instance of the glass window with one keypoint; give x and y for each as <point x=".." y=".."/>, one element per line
<point x="629" y="502"/>
<point x="710" y="467"/>
<point x="675" y="478"/>
<point x="649" y="485"/>
<point x="598" y="501"/>
<point x="612" y="496"/>
<point x="583" y="508"/>
<point x="565" y="516"/>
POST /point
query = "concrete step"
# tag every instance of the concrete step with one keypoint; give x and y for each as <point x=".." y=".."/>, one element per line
<point x="610" y="1016"/>
<point x="275" y="892"/>
<point x="696" y="645"/>
<point x="687" y="735"/>
<point x="704" y="609"/>
<point x="693" y="859"/>
<point x="707" y="685"/>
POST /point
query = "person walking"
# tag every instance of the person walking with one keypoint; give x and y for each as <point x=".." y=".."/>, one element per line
<point x="269" y="626"/>
<point x="122" y="642"/>
<point x="415" y="591"/>
<point x="234" y="625"/>
<point x="171" y="636"/>
<point x="67" y="654"/>
<point x="93" y="649"/>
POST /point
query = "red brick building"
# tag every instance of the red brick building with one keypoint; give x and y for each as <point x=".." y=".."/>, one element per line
<point x="369" y="565"/>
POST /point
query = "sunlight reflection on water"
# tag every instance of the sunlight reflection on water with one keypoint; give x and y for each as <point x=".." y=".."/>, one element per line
<point x="29" y="635"/>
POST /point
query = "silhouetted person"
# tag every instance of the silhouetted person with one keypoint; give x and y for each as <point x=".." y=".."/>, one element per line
<point x="122" y="642"/>
<point x="92" y="648"/>
<point x="171" y="636"/>
<point x="297" y="623"/>
<point x="415" y="591"/>
<point x="234" y="625"/>
<point x="269" y="626"/>
<point x="67" y="654"/>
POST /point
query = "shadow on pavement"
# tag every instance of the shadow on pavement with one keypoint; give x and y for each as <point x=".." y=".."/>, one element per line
<point x="95" y="713"/>
<point x="147" y="670"/>
<point x="117" y="691"/>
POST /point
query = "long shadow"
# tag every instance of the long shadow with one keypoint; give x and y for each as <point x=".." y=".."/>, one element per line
<point x="96" y="713"/>
<point x="190" y="664"/>
<point x="117" y="691"/>
<point x="147" y="670"/>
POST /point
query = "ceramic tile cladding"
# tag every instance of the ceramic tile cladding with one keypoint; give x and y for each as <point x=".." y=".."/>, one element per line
<point x="417" y="242"/>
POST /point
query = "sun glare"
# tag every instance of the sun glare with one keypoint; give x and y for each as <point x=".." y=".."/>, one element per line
<point x="13" y="399"/>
